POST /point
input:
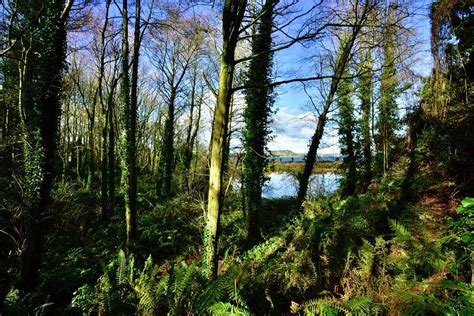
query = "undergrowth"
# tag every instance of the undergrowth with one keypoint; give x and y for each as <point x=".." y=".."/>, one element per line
<point x="357" y="255"/>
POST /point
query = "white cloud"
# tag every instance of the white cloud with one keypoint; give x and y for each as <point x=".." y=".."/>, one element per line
<point x="294" y="131"/>
<point x="291" y="128"/>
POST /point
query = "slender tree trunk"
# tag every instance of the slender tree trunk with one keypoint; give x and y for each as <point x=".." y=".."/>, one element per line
<point x="127" y="116"/>
<point x="341" y="64"/>
<point x="194" y="144"/>
<point x="111" y="149"/>
<point x="167" y="152"/>
<point x="66" y="133"/>
<point x="351" y="177"/>
<point x="91" y="150"/>
<point x="232" y="16"/>
<point x="189" y="145"/>
<point x="365" y="96"/>
<point x="347" y="127"/>
<point x="131" y="215"/>
<point x="388" y="116"/>
<point x="104" y="214"/>
<point x="216" y="175"/>
<point x="229" y="137"/>
<point x="313" y="148"/>
<point x="104" y="183"/>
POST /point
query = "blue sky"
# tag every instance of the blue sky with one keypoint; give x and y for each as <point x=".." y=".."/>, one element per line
<point x="294" y="122"/>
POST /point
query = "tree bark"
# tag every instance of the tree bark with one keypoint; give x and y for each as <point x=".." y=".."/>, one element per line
<point x="365" y="96"/>
<point x="104" y="183"/>
<point x="256" y="116"/>
<point x="232" y="16"/>
<point x="341" y="64"/>
<point x="190" y="135"/>
<point x="40" y="104"/>
<point x="132" y="213"/>
<point x="127" y="134"/>
<point x="315" y="141"/>
<point x="167" y="152"/>
<point x="111" y="147"/>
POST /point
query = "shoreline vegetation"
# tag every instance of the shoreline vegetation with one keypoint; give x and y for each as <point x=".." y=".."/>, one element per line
<point x="298" y="167"/>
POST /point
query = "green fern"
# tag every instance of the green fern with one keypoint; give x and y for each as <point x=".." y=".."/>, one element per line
<point x="122" y="267"/>
<point x="366" y="258"/>
<point x="212" y="294"/>
<point x="227" y="309"/>
<point x="421" y="304"/>
<point x="401" y="233"/>
<point x="186" y="283"/>
<point x="264" y="250"/>
<point x="330" y="307"/>
<point x="319" y="307"/>
<point x="224" y="287"/>
<point x="358" y="306"/>
<point x="148" y="288"/>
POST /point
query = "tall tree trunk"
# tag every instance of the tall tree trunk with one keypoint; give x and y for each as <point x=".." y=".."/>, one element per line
<point x="166" y="163"/>
<point x="194" y="142"/>
<point x="132" y="214"/>
<point x="104" y="213"/>
<point x="341" y="64"/>
<point x="91" y="150"/>
<point x="315" y="141"/>
<point x="128" y="118"/>
<point x="232" y="16"/>
<point x="256" y="116"/>
<point x="219" y="136"/>
<point x="346" y="132"/>
<point x="111" y="148"/>
<point x="40" y="105"/>
<point x="66" y="133"/>
<point x="365" y="96"/>
<point x="388" y="116"/>
<point x="189" y="145"/>
<point x="104" y="183"/>
<point x="351" y="178"/>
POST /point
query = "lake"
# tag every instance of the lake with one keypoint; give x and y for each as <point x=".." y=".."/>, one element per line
<point x="281" y="185"/>
<point x="286" y="185"/>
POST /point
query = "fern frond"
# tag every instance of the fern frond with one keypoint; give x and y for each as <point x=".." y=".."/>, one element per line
<point x="213" y="293"/>
<point x="122" y="264"/>
<point x="328" y="307"/>
<point x="358" y="306"/>
<point x="148" y="288"/>
<point x="400" y="231"/>
<point x="366" y="255"/>
<point x="262" y="251"/>
<point x="184" y="279"/>
<point x="411" y="303"/>
<point x="146" y="299"/>
<point x="227" y="309"/>
<point x="184" y="288"/>
<point x="320" y="307"/>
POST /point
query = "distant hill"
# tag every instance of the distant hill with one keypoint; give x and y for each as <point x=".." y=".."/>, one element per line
<point x="285" y="153"/>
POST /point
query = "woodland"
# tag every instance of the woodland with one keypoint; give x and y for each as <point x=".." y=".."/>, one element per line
<point x="135" y="142"/>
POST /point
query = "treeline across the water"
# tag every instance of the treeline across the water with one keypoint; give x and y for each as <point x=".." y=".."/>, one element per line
<point x="297" y="168"/>
<point x="126" y="125"/>
<point x="325" y="158"/>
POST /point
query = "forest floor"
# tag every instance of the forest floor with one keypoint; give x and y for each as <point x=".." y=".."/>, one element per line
<point x="389" y="249"/>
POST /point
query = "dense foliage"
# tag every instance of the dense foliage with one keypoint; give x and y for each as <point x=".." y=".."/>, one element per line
<point x="169" y="230"/>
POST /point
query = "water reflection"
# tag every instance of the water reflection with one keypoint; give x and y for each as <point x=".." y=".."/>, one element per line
<point x="286" y="185"/>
